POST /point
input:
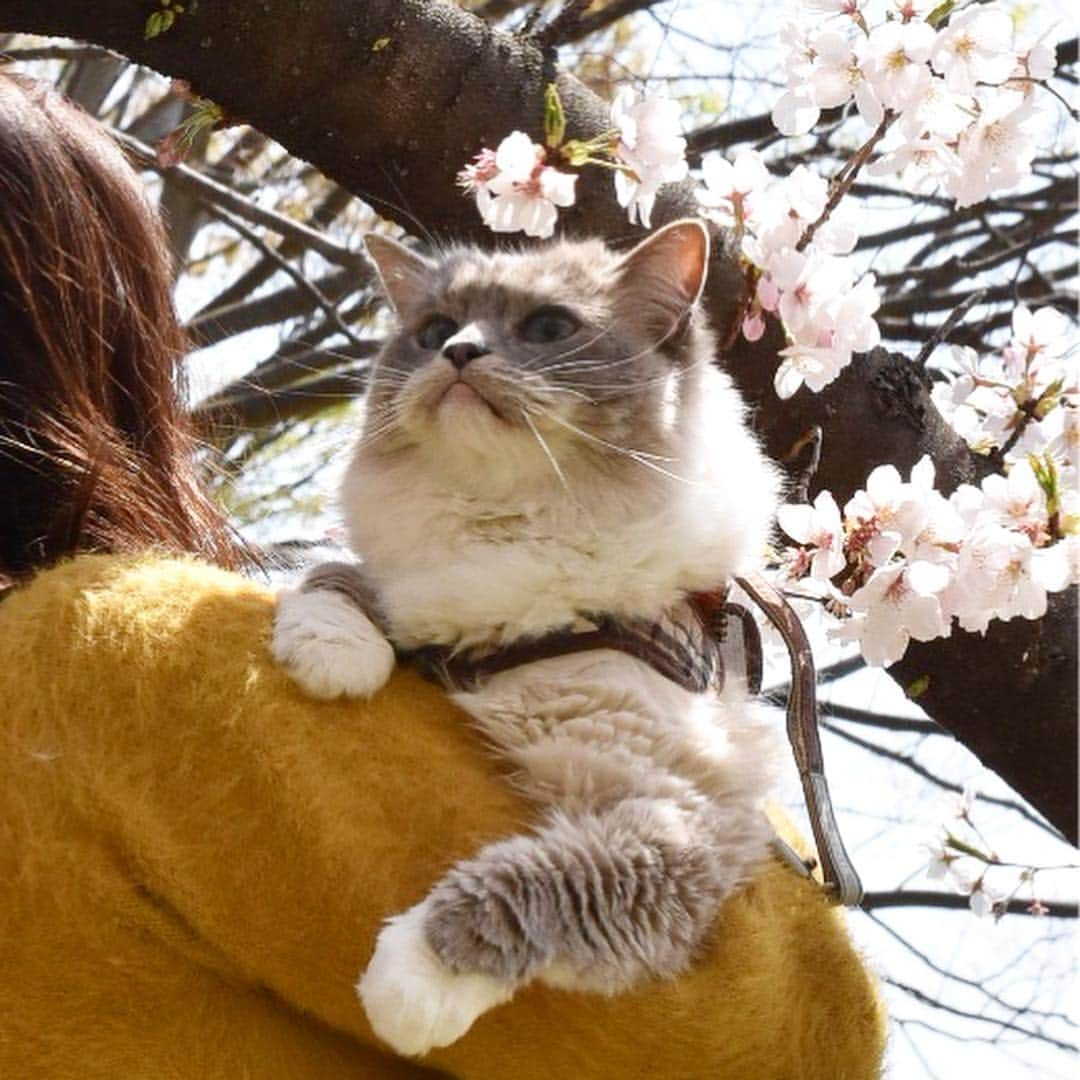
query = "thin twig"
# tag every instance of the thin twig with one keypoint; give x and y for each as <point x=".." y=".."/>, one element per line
<point x="219" y="195"/>
<point x="873" y="901"/>
<point x="562" y="24"/>
<point x="843" y="180"/>
<point x="948" y="326"/>
<point x="287" y="267"/>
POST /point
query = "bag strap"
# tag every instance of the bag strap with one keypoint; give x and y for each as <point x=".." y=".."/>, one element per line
<point x="841" y="878"/>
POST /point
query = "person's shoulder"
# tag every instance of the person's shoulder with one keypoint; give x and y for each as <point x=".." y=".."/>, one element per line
<point x="150" y="596"/>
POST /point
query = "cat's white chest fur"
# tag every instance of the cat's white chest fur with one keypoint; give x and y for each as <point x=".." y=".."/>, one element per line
<point x="506" y="559"/>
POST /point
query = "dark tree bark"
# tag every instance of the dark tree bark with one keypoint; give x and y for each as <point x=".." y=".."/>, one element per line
<point x="393" y="124"/>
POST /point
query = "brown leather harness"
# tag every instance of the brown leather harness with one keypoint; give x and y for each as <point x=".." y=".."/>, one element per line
<point x="686" y="645"/>
<point x="690" y="644"/>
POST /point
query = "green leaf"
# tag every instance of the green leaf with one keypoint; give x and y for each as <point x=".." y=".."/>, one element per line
<point x="379" y="44"/>
<point x="1046" y="473"/>
<point x="917" y="687"/>
<point x="965" y="848"/>
<point x="158" y="22"/>
<point x="940" y="14"/>
<point x="575" y="152"/>
<point x="1048" y="399"/>
<point x="554" y="117"/>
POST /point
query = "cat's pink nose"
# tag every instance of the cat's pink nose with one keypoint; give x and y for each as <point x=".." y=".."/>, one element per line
<point x="459" y="353"/>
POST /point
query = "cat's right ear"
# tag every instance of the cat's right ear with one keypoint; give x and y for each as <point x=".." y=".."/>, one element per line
<point x="403" y="274"/>
<point x="663" y="277"/>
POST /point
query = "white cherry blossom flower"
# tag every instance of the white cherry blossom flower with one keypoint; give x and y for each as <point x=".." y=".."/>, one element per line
<point x="807" y="283"/>
<point x="840" y="233"/>
<point x="893" y="58"/>
<point x="1056" y="567"/>
<point x="805" y="192"/>
<point x="795" y="112"/>
<point x="940" y="863"/>
<point x="993" y="579"/>
<point x="976" y="47"/>
<point x="1045" y="333"/>
<point x="834" y="71"/>
<point x="888" y="514"/>
<point x="900" y="602"/>
<point x="833" y="7"/>
<point x="650" y="143"/>
<point x="818" y="527"/>
<point x="1016" y="501"/>
<point x="914" y="9"/>
<point x="852" y="311"/>
<point x="814" y="366"/>
<point x="925" y="163"/>
<point x="732" y="186"/>
<point x="515" y="191"/>
<point x="982" y="900"/>
<point x="997" y="149"/>
<point x="1040" y="60"/>
<point x="943" y="529"/>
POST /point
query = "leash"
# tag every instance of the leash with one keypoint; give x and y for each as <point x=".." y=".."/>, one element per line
<point x="841" y="879"/>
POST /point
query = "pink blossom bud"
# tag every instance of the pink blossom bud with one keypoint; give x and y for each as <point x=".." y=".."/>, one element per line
<point x="768" y="293"/>
<point x="753" y="326"/>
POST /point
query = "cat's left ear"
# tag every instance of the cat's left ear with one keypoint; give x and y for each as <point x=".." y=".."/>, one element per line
<point x="662" y="278"/>
<point x="402" y="273"/>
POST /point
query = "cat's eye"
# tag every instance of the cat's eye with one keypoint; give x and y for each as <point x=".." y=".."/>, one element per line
<point x="436" y="331"/>
<point x="548" y="324"/>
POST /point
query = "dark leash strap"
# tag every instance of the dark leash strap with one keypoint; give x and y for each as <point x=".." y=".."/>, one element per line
<point x="841" y="879"/>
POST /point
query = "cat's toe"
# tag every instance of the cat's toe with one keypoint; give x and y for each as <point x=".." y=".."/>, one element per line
<point x="329" y="646"/>
<point x="413" y="1001"/>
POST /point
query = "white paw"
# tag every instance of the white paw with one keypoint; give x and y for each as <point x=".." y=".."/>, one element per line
<point x="329" y="646"/>
<point x="413" y="1001"/>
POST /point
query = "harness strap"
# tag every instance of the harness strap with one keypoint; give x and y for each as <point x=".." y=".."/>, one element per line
<point x="681" y="647"/>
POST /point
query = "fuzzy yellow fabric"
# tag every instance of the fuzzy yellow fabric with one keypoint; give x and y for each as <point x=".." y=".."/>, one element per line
<point x="195" y="860"/>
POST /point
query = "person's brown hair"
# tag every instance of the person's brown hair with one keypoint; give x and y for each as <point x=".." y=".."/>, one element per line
<point x="95" y="453"/>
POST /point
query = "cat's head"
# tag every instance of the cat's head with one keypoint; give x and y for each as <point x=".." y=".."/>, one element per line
<point x="530" y="358"/>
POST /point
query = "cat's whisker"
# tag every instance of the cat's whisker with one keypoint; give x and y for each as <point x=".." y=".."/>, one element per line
<point x="556" y="467"/>
<point x="553" y="361"/>
<point x="642" y="457"/>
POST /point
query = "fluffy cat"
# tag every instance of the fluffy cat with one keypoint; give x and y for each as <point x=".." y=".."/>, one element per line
<point x="548" y="438"/>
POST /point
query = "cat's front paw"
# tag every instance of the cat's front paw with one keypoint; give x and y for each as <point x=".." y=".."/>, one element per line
<point x="413" y="1001"/>
<point x="329" y="646"/>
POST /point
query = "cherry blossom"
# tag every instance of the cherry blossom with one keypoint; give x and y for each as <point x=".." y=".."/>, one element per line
<point x="1057" y="567"/>
<point x="982" y="901"/>
<point x="997" y="149"/>
<point x="1037" y="335"/>
<point x="514" y="190"/>
<point x="892" y="59"/>
<point x="1025" y="399"/>
<point x="899" y="602"/>
<point x="976" y="47"/>
<point x="651" y="146"/>
<point x="818" y="527"/>
<point x="885" y="516"/>
<point x="1016" y="501"/>
<point x="993" y="579"/>
<point x="914" y="560"/>
<point x="731" y="186"/>
<point x="941" y="862"/>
